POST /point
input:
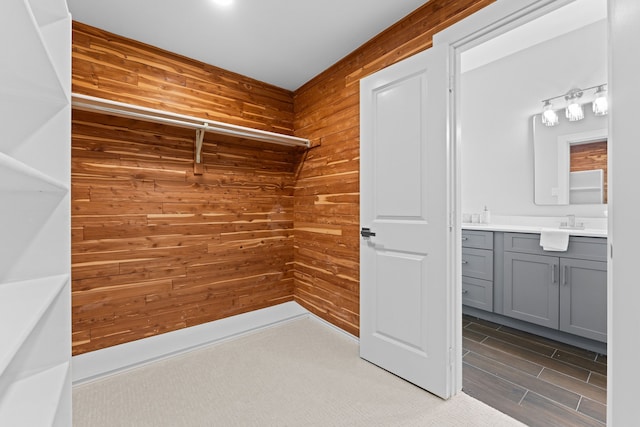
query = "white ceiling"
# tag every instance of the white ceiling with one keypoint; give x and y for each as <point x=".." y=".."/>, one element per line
<point x="282" y="42"/>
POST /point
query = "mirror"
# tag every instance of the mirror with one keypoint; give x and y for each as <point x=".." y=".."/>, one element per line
<point x="570" y="160"/>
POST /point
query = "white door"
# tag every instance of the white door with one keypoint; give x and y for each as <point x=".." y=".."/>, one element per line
<point x="405" y="321"/>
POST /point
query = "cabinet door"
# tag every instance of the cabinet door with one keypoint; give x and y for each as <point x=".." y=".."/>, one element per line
<point x="531" y="288"/>
<point x="583" y="298"/>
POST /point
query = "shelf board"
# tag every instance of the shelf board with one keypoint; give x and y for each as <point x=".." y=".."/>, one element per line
<point x="16" y="176"/>
<point x="121" y="109"/>
<point x="34" y="400"/>
<point x="22" y="305"/>
<point x="585" y="188"/>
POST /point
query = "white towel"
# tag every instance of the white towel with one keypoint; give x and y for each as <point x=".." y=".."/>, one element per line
<point x="552" y="239"/>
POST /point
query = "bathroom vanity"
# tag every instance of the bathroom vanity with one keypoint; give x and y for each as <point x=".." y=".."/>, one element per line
<point x="509" y="279"/>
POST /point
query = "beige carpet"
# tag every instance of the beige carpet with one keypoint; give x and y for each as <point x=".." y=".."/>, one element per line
<point x="302" y="373"/>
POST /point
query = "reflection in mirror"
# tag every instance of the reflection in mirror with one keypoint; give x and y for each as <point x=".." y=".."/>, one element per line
<point x="570" y="161"/>
<point x="588" y="172"/>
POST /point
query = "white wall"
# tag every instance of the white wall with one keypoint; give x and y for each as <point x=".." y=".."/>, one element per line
<point x="498" y="100"/>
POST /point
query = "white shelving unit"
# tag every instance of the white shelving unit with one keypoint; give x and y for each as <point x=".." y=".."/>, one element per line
<point x="35" y="260"/>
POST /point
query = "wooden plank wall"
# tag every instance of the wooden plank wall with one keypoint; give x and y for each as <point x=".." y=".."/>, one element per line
<point x="112" y="67"/>
<point x="154" y="247"/>
<point x="326" y="211"/>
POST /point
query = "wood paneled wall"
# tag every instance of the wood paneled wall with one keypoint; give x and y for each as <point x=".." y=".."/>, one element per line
<point x="121" y="69"/>
<point x="154" y="247"/>
<point x="326" y="207"/>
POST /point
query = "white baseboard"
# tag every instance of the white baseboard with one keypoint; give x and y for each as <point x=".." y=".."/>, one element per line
<point x="100" y="363"/>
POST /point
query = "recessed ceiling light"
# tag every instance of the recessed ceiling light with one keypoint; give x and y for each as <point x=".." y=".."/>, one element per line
<point x="223" y="3"/>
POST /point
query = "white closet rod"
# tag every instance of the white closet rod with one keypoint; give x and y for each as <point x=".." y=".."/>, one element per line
<point x="121" y="109"/>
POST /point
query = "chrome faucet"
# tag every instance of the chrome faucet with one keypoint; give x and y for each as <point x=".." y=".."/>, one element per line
<point x="571" y="223"/>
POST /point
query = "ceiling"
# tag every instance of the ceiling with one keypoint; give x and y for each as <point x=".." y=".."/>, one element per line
<point x="551" y="25"/>
<point x="282" y="42"/>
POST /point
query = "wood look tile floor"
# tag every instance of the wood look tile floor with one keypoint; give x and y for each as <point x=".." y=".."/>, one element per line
<point x="537" y="381"/>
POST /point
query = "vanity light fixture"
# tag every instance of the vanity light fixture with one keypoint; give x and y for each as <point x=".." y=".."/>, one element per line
<point x="574" y="110"/>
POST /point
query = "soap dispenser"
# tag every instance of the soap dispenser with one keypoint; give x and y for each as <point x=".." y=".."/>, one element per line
<point x="486" y="216"/>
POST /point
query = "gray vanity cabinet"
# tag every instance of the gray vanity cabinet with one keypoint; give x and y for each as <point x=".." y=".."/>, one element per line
<point x="560" y="290"/>
<point x="583" y="298"/>
<point x="477" y="269"/>
<point x="531" y="288"/>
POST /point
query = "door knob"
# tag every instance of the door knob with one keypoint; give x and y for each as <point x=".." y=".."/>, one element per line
<point x="366" y="232"/>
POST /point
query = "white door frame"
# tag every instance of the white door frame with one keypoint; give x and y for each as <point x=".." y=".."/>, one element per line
<point x="623" y="293"/>
<point x="483" y="25"/>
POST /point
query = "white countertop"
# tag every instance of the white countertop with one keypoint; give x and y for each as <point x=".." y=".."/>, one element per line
<point x="594" y="227"/>
<point x="587" y="232"/>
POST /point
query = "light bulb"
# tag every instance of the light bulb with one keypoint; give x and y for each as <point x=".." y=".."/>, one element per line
<point x="549" y="116"/>
<point x="574" y="111"/>
<point x="600" y="104"/>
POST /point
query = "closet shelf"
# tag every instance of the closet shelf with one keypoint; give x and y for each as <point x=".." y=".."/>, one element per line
<point x="16" y="176"/>
<point x="121" y="109"/>
<point x="34" y="400"/>
<point x="22" y="305"/>
<point x="35" y="98"/>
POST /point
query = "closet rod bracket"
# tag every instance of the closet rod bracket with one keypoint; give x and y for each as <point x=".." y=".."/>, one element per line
<point x="199" y="139"/>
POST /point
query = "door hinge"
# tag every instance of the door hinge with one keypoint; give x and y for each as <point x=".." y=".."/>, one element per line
<point x="451" y="361"/>
<point x="611" y="250"/>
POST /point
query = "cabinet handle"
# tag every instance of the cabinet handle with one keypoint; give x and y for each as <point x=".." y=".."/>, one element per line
<point x="553" y="273"/>
<point x="465" y="291"/>
<point x="464" y="261"/>
<point x="464" y="239"/>
<point x="565" y="276"/>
